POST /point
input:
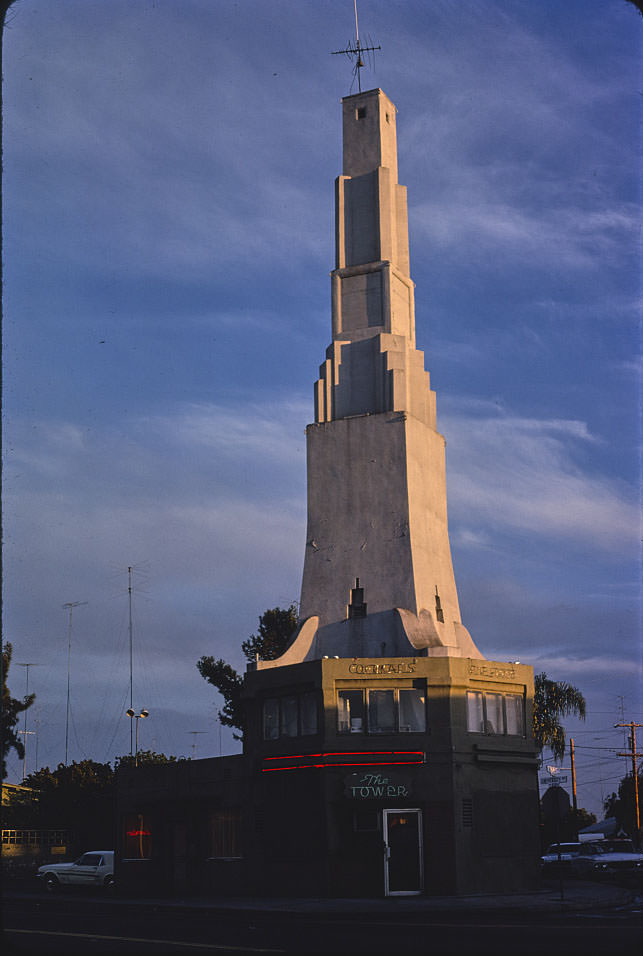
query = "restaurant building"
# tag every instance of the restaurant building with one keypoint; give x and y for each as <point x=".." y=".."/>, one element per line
<point x="383" y="754"/>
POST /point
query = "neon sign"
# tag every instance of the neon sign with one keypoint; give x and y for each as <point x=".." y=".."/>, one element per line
<point x="135" y="833"/>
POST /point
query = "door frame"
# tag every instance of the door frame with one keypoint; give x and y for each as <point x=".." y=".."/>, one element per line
<point x="387" y="851"/>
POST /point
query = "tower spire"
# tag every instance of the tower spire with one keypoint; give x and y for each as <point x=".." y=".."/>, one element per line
<point x="378" y="577"/>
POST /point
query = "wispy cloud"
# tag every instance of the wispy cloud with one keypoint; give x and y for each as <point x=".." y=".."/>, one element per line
<point x="530" y="475"/>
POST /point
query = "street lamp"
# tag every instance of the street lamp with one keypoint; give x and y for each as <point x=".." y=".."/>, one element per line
<point x="133" y="715"/>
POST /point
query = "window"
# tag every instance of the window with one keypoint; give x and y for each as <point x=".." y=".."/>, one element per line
<point x="137" y="844"/>
<point x="289" y="711"/>
<point x="475" y="714"/>
<point x="308" y="714"/>
<point x="291" y="716"/>
<point x="381" y="711"/>
<point x="350" y="711"/>
<point x="490" y="713"/>
<point x="494" y="723"/>
<point x="412" y="710"/>
<point x="225" y="834"/>
<point x="360" y="112"/>
<point x="271" y="719"/>
<point x="515" y="715"/>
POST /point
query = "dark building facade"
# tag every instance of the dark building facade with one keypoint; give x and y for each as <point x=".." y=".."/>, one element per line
<point x="359" y="777"/>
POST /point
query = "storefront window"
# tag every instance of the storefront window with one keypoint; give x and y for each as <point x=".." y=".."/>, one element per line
<point x="381" y="711"/>
<point x="308" y="713"/>
<point x="350" y="711"/>
<point x="137" y="844"/>
<point x="288" y="716"/>
<point x="412" y="710"/>
<point x="271" y="719"/>
<point x="515" y="718"/>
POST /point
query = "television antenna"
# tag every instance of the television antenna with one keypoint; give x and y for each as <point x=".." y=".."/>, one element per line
<point x="355" y="53"/>
<point x="69" y="606"/>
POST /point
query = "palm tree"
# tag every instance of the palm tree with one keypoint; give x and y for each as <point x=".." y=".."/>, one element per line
<point x="553" y="700"/>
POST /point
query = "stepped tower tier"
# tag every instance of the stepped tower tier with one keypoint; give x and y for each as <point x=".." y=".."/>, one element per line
<point x="378" y="577"/>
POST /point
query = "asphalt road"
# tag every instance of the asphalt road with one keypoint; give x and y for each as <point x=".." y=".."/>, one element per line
<point x="73" y="922"/>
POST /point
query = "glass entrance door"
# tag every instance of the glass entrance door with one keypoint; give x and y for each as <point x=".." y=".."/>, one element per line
<point x="403" y="852"/>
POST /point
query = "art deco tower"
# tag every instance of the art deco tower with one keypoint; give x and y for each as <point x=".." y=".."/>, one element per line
<point x="378" y="578"/>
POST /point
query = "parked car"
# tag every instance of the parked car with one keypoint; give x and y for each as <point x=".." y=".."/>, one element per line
<point x="95" y="868"/>
<point x="588" y="861"/>
<point x="559" y="856"/>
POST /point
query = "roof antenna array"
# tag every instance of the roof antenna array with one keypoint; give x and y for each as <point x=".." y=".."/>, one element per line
<point x="355" y="53"/>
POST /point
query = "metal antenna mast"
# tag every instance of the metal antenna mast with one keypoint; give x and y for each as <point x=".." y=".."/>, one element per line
<point x="354" y="52"/>
<point x="71" y="605"/>
<point x="24" y="731"/>
<point x="131" y="662"/>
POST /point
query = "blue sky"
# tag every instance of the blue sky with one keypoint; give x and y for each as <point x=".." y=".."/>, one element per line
<point x="168" y="234"/>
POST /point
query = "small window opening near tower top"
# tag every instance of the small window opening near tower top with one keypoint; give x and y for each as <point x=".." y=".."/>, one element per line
<point x="360" y="112"/>
<point x="439" y="613"/>
<point x="388" y="118"/>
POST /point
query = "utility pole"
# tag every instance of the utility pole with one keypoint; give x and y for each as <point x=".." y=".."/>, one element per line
<point x="69" y="605"/>
<point x="573" y="768"/>
<point x="634" y="755"/>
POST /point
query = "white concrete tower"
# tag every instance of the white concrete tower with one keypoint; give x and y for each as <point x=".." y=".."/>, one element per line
<point x="378" y="578"/>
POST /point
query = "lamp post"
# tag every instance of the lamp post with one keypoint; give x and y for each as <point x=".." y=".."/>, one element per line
<point x="134" y="716"/>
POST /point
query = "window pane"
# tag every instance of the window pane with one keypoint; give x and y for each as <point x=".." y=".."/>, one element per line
<point x="270" y="719"/>
<point x="515" y="722"/>
<point x="289" y="717"/>
<point x="350" y="711"/>
<point x="381" y="711"/>
<point x="308" y="713"/>
<point x="412" y="711"/>
<point x="475" y="722"/>
<point x="494" y="723"/>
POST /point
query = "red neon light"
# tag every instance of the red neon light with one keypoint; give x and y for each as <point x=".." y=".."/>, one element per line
<point x="139" y="833"/>
<point x="349" y="753"/>
<point x="371" y="763"/>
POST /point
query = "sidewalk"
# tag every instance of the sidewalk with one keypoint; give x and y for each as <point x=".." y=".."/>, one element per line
<point x="576" y="896"/>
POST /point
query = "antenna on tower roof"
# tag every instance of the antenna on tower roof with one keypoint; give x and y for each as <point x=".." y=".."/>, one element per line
<point x="354" y="52"/>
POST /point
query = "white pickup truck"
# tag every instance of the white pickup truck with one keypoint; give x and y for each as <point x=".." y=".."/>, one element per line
<point x="95" y="868"/>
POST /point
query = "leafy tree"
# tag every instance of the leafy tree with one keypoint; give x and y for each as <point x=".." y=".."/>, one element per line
<point x="144" y="758"/>
<point x="276" y="628"/>
<point x="553" y="700"/>
<point x="11" y="710"/>
<point x="228" y="682"/>
<point x="79" y="797"/>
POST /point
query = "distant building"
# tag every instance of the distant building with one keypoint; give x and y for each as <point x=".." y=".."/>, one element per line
<point x="383" y="754"/>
